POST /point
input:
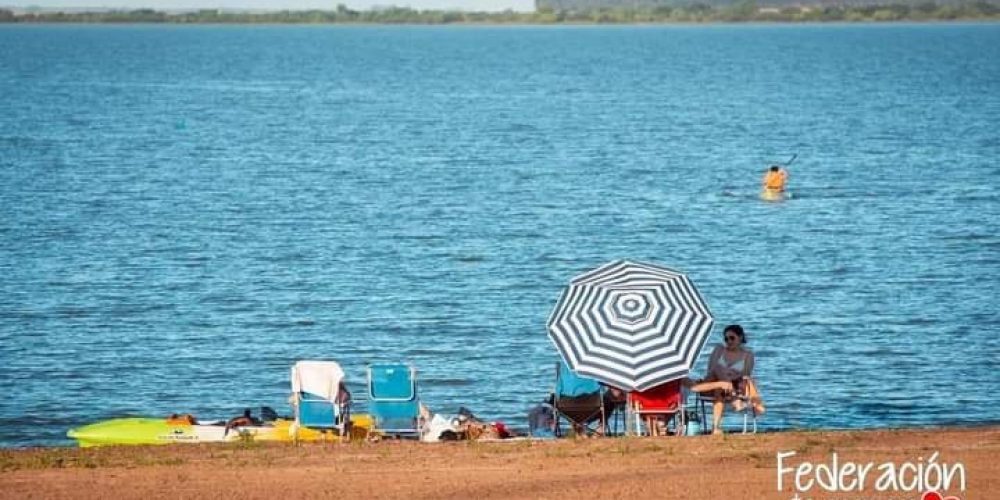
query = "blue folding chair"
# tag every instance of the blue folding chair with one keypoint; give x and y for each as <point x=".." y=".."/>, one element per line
<point x="392" y="400"/>
<point x="318" y="396"/>
<point x="579" y="400"/>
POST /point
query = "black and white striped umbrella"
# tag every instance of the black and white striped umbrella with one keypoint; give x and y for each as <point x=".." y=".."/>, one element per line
<point x="630" y="325"/>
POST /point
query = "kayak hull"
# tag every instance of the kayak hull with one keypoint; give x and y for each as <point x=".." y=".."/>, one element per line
<point x="157" y="431"/>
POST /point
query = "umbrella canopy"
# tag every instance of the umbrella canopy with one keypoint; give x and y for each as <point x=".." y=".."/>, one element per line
<point x="630" y="325"/>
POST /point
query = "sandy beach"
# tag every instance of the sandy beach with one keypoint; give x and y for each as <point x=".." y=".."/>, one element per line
<point x="733" y="466"/>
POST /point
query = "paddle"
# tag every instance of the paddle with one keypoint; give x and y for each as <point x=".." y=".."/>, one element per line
<point x="789" y="162"/>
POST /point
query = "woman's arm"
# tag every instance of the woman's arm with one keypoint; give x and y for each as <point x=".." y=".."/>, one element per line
<point x="712" y="359"/>
<point x="748" y="364"/>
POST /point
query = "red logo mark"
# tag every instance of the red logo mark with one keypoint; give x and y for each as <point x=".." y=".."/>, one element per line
<point x="933" y="495"/>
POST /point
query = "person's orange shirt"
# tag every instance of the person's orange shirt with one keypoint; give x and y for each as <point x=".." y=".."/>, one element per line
<point x="775" y="180"/>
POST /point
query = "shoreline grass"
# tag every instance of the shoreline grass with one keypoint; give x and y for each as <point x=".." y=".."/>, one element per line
<point x="238" y="454"/>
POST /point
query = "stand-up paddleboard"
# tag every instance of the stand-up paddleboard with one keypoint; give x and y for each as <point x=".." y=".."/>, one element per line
<point x="139" y="431"/>
<point x="154" y="431"/>
<point x="774" y="195"/>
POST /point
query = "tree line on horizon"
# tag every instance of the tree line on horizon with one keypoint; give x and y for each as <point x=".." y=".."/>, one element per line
<point x="741" y="11"/>
<point x="586" y="5"/>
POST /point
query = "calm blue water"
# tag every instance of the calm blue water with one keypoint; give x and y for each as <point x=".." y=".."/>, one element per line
<point x="189" y="210"/>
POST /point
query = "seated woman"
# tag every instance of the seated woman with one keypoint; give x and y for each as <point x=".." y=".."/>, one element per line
<point x="728" y="376"/>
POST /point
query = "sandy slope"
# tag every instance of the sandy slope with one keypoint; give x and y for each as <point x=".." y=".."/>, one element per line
<point x="704" y="467"/>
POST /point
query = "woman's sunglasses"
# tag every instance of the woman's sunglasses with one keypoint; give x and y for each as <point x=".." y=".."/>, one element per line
<point x="731" y="338"/>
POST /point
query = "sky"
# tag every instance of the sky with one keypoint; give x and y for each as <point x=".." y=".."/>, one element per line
<point x="469" y="5"/>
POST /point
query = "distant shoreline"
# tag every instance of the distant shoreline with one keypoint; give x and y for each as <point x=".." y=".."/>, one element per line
<point x="741" y="13"/>
<point x="664" y="24"/>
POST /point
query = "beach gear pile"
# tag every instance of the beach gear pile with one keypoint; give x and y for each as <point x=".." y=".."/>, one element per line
<point x="627" y="332"/>
<point x="321" y="411"/>
<point x="464" y="426"/>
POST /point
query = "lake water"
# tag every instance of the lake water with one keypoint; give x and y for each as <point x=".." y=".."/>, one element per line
<point x="187" y="210"/>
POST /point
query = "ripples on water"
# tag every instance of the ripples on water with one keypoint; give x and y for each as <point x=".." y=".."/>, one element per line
<point x="189" y="210"/>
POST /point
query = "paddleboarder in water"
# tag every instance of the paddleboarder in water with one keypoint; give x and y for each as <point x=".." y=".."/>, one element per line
<point x="774" y="183"/>
<point x="775" y="179"/>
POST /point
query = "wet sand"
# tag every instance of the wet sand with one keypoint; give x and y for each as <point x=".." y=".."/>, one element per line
<point x="734" y="466"/>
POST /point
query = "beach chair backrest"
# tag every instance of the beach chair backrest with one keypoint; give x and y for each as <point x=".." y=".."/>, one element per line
<point x="318" y="413"/>
<point x="569" y="384"/>
<point x="665" y="397"/>
<point x="392" y="398"/>
<point x="395" y="382"/>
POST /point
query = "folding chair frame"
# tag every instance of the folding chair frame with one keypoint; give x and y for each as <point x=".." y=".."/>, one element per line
<point x="341" y="416"/>
<point x="341" y="412"/>
<point x="417" y="431"/>
<point x="587" y="428"/>
<point x="676" y="415"/>
<point x="749" y="413"/>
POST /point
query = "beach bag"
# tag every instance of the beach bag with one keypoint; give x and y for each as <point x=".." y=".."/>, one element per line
<point x="437" y="427"/>
<point x="541" y="420"/>
<point x="182" y="419"/>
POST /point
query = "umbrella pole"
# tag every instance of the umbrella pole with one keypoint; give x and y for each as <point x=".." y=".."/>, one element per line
<point x="630" y="415"/>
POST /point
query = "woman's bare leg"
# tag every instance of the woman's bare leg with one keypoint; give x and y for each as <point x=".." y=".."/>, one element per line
<point x="713" y="386"/>
<point x="754" y="397"/>
<point x="718" y="404"/>
<point x="720" y="390"/>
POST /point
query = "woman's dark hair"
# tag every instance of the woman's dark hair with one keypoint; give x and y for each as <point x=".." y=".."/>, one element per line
<point x="738" y="330"/>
